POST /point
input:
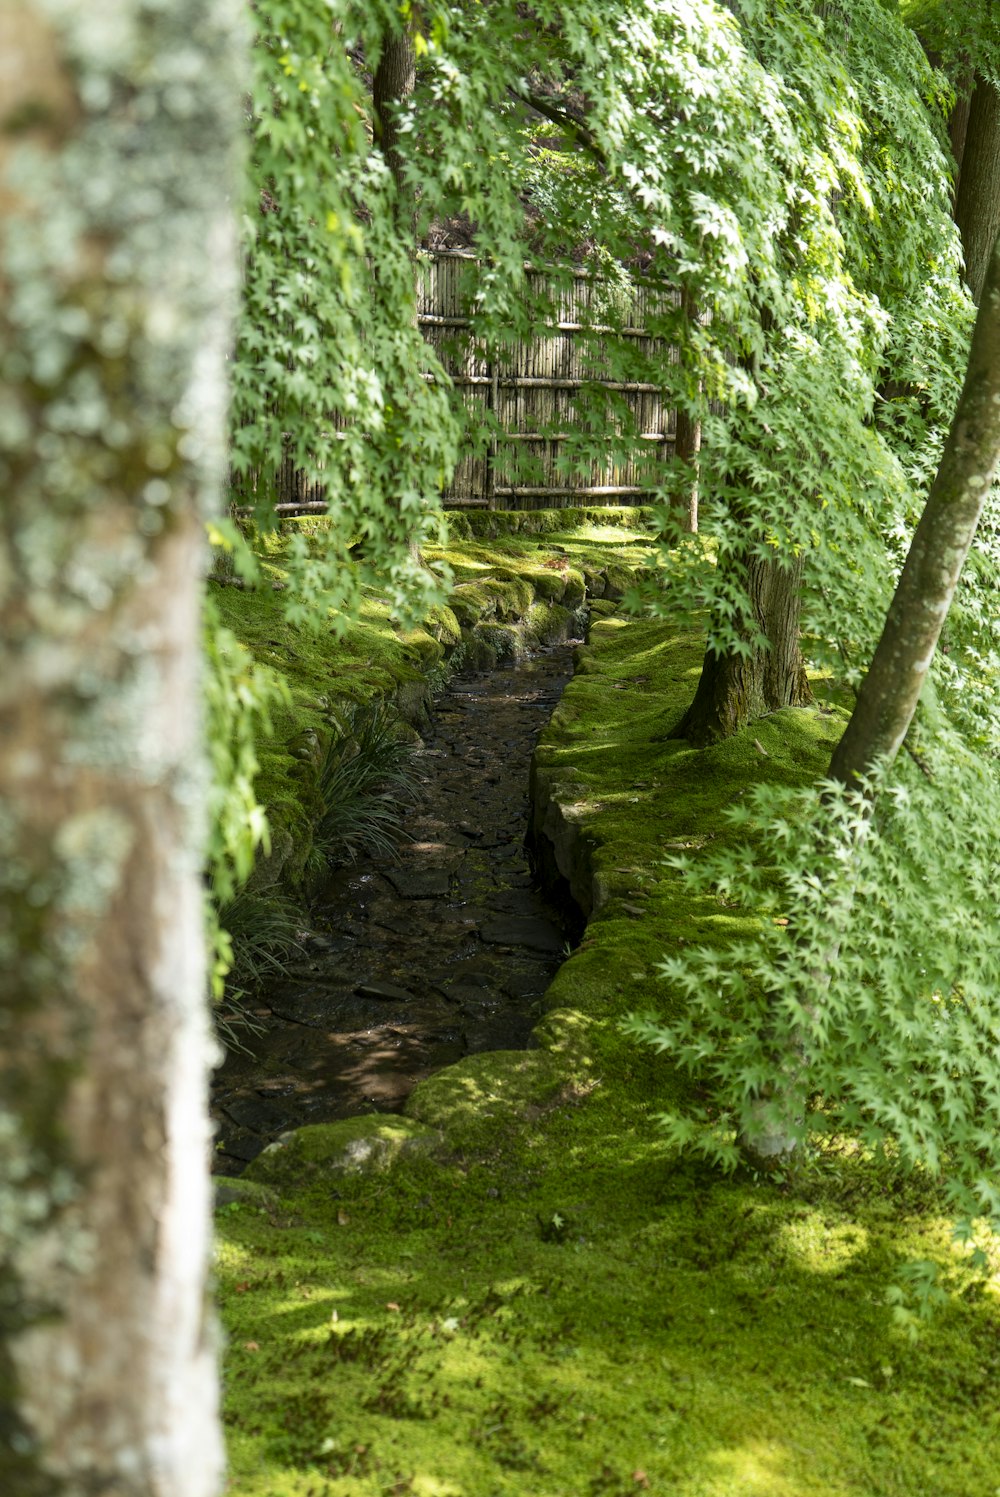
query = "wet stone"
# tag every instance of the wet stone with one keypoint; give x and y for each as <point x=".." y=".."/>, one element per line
<point x="385" y="990"/>
<point x="518" y="930"/>
<point x="420" y="885"/>
<point x="241" y="1146"/>
<point x="269" y="1118"/>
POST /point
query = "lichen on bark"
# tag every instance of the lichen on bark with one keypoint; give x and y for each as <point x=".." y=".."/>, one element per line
<point x="119" y="133"/>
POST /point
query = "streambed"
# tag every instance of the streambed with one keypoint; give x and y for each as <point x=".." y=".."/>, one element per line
<point x="416" y="962"/>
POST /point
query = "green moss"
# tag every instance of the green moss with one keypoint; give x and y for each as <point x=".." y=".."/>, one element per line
<point x="353" y="1146"/>
<point x="547" y="623"/>
<point x="555" y="1306"/>
<point x="474" y="1101"/>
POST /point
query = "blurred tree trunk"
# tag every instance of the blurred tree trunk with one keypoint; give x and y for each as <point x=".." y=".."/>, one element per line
<point x="118" y="189"/>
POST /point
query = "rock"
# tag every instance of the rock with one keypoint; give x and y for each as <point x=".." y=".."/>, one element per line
<point x="315" y="1007"/>
<point x="354" y="1146"/>
<point x="616" y="580"/>
<point x="476" y="1097"/>
<point x="521" y="930"/>
<point x="230" y="1189"/>
<point x="516" y="902"/>
<point x="259" y="1114"/>
<point x="384" y="990"/>
<point x="433" y="884"/>
<point x="241" y="1145"/>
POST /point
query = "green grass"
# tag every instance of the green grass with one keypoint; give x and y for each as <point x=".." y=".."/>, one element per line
<point x="543" y="1302"/>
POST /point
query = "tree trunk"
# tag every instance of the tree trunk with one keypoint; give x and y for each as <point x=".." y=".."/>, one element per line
<point x="889" y="693"/>
<point x="736" y="688"/>
<point x="958" y="124"/>
<point x="687" y="446"/>
<point x="117" y="272"/>
<point x="393" y="84"/>
<point x="977" y="207"/>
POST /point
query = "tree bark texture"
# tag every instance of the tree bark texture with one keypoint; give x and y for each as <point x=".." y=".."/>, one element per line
<point x="734" y="688"/>
<point x="393" y="84"/>
<point x="977" y="206"/>
<point x="889" y="693"/>
<point x="958" y="127"/>
<point x="118" y="186"/>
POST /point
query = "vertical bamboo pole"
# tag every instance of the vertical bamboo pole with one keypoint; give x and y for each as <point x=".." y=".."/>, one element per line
<point x="492" y="402"/>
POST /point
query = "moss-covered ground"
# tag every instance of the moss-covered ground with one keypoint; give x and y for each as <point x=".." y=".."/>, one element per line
<point x="528" y="1296"/>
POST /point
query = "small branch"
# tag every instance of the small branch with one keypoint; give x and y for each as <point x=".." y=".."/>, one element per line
<point x="918" y="760"/>
<point x="565" y="120"/>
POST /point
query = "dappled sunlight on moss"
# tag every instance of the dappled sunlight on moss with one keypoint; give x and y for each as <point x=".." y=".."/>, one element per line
<point x="551" y="1301"/>
<point x="822" y="1245"/>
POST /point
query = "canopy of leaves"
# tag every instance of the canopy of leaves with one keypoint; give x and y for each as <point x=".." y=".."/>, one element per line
<point x="785" y="165"/>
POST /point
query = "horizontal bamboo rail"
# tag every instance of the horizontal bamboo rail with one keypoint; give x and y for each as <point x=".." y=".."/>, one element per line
<point x="540" y="382"/>
<point x="430" y="319"/>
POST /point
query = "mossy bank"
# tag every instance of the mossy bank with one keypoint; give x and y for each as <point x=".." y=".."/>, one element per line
<point x="517" y="1290"/>
<point x="520" y="582"/>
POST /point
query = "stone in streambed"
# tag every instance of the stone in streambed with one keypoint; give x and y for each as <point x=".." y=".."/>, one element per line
<point x="430" y="885"/>
<point x="522" y="930"/>
<point x="245" y="1146"/>
<point x="385" y="991"/>
<point x="260" y="1115"/>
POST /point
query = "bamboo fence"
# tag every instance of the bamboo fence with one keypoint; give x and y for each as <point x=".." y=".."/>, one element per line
<point x="549" y="422"/>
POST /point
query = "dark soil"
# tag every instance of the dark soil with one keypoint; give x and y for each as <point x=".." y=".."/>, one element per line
<point x="413" y="964"/>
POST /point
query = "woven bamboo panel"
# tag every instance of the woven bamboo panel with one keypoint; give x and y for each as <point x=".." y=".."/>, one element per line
<point x="569" y="412"/>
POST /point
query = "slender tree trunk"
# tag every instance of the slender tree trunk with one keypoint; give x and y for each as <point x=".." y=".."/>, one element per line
<point x="117" y="271"/>
<point x="889" y="693"/>
<point x="977" y="206"/>
<point x="392" y="86"/>
<point x="687" y="446"/>
<point x="736" y="688"/>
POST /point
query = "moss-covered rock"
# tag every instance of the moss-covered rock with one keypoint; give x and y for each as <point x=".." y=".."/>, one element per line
<point x="569" y="1035"/>
<point x="473" y="1099"/>
<point x="548" y="624"/>
<point x="617" y="579"/>
<point x="244" y="1192"/>
<point x="443" y="625"/>
<point x="352" y="1146"/>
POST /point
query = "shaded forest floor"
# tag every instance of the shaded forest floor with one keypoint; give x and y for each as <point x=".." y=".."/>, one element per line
<point x="517" y="1291"/>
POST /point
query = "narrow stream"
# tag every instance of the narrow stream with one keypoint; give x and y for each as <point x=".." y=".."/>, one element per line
<point x="414" y="963"/>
